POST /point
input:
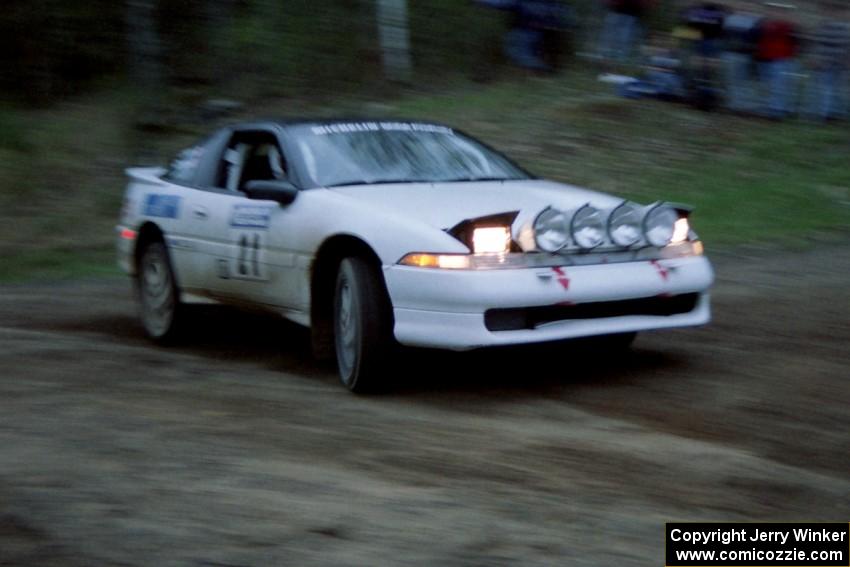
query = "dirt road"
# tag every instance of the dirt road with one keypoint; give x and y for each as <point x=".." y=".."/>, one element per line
<point x="239" y="450"/>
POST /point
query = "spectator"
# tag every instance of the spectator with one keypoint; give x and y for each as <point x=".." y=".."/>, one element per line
<point x="707" y="18"/>
<point x="526" y="42"/>
<point x="621" y="29"/>
<point x="699" y="31"/>
<point x="662" y="77"/>
<point x="776" y="53"/>
<point x="559" y="19"/>
<point x="740" y="40"/>
<point x="830" y="50"/>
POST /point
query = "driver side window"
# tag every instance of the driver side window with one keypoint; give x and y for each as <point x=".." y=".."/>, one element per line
<point x="251" y="156"/>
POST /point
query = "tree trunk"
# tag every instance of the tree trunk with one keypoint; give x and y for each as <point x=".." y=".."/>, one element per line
<point x="394" y="34"/>
<point x="143" y="44"/>
<point x="144" y="66"/>
<point x="218" y="62"/>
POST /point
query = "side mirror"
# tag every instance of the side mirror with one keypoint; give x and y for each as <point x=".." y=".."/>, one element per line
<point x="283" y="192"/>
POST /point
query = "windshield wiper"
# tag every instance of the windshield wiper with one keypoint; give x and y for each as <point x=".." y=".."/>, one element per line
<point x="407" y="180"/>
<point x="482" y="178"/>
<point x="378" y="182"/>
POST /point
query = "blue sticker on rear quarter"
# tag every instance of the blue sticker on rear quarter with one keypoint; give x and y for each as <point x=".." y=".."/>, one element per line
<point x="251" y="216"/>
<point x="163" y="206"/>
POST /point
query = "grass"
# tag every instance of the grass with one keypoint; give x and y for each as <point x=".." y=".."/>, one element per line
<point x="60" y="264"/>
<point x="752" y="181"/>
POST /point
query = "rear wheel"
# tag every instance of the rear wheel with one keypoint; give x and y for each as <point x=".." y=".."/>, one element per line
<point x="159" y="298"/>
<point x="362" y="326"/>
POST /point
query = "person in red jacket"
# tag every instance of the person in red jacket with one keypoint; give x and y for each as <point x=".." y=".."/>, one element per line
<point x="776" y="53"/>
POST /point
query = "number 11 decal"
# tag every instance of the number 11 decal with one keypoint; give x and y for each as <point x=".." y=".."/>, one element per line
<point x="249" y="265"/>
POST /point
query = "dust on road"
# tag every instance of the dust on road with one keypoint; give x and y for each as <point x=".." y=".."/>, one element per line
<point x="237" y="449"/>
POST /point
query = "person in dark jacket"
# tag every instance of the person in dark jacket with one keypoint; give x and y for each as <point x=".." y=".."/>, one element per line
<point x="740" y="40"/>
<point x="529" y="43"/>
<point x="707" y="19"/>
<point x="829" y="47"/>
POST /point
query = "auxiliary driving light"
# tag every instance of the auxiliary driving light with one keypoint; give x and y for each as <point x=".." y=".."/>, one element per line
<point x="550" y="230"/>
<point x="624" y="225"/>
<point x="659" y="225"/>
<point x="587" y="228"/>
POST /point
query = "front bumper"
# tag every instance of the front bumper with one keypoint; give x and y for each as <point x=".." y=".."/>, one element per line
<point x="447" y="308"/>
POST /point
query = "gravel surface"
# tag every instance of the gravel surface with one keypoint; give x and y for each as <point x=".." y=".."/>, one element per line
<point x="235" y="448"/>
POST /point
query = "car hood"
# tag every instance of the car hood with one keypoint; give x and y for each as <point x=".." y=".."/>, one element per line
<point x="444" y="205"/>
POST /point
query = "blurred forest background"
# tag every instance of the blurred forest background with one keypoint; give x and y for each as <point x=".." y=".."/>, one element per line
<point x="50" y="49"/>
<point x="89" y="88"/>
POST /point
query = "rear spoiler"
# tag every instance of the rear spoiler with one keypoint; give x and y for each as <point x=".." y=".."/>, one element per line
<point x="145" y="174"/>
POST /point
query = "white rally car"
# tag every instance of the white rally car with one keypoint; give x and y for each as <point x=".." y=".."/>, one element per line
<point x="375" y="233"/>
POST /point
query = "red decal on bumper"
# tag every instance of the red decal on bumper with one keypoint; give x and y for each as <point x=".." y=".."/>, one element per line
<point x="662" y="271"/>
<point x="562" y="278"/>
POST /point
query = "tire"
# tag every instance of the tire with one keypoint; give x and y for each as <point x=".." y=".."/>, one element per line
<point x="160" y="308"/>
<point x="362" y="326"/>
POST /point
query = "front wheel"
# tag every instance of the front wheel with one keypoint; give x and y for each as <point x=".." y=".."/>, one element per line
<point x="362" y="326"/>
<point x="159" y="298"/>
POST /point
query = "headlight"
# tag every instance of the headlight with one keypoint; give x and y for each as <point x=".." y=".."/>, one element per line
<point x="659" y="225"/>
<point x="586" y="228"/>
<point x="491" y="240"/>
<point x="624" y="225"/>
<point x="550" y="230"/>
<point x="681" y="231"/>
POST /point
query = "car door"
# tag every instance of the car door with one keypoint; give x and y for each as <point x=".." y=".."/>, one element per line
<point x="177" y="206"/>
<point x="249" y="255"/>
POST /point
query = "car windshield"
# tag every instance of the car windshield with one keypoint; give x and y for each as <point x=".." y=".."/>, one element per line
<point x="396" y="152"/>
